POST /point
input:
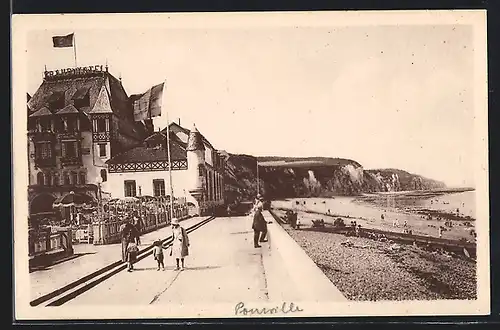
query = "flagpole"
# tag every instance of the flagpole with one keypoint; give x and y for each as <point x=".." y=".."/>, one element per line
<point x="74" y="49"/>
<point x="258" y="181"/>
<point x="169" y="158"/>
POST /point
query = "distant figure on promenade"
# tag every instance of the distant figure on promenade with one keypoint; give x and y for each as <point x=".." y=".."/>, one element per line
<point x="158" y="254"/>
<point x="132" y="251"/>
<point x="259" y="202"/>
<point x="259" y="227"/>
<point x="180" y="244"/>
<point x="129" y="234"/>
<point x="440" y="231"/>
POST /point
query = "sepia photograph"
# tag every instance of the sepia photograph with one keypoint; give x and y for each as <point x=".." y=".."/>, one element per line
<point x="237" y="165"/>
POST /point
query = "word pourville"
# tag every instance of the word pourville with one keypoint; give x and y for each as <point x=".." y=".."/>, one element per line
<point x="285" y="308"/>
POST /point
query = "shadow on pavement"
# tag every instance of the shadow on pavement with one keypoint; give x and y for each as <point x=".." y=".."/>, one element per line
<point x="74" y="256"/>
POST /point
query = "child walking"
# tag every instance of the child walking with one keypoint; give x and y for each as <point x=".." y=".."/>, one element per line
<point x="132" y="251"/>
<point x="158" y="254"/>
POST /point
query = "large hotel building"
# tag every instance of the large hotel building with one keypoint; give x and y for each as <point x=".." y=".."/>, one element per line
<point x="82" y="133"/>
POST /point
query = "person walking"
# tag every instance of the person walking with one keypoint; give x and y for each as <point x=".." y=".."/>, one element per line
<point x="158" y="254"/>
<point x="180" y="244"/>
<point x="259" y="202"/>
<point x="129" y="234"/>
<point x="132" y="251"/>
<point x="259" y="227"/>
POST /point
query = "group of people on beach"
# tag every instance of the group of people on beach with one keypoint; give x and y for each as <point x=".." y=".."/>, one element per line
<point x="130" y="238"/>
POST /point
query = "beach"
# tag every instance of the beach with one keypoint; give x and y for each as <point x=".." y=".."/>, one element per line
<point x="423" y="212"/>
<point x="371" y="270"/>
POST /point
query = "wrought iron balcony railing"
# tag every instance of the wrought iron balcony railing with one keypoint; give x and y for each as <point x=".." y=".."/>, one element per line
<point x="76" y="160"/>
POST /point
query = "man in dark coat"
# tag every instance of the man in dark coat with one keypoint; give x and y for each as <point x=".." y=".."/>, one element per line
<point x="129" y="234"/>
<point x="259" y="227"/>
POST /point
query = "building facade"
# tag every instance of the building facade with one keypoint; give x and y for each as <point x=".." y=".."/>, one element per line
<point x="77" y="120"/>
<point x="197" y="169"/>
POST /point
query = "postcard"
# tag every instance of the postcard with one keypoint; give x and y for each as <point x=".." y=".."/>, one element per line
<point x="239" y="165"/>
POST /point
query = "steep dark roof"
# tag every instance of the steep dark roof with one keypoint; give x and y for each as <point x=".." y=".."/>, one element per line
<point x="144" y="154"/>
<point x="186" y="131"/>
<point x="41" y="113"/>
<point x="79" y="86"/>
<point x="68" y="109"/>
<point x="50" y="90"/>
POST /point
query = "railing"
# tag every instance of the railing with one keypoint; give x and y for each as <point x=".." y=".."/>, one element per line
<point x="71" y="160"/>
<point x="70" y="134"/>
<point x="108" y="232"/>
<point x="44" y="248"/>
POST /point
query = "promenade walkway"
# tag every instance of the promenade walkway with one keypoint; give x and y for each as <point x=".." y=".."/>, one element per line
<point x="223" y="268"/>
<point x="89" y="258"/>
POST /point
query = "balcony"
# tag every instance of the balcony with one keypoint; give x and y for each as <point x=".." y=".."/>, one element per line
<point x="69" y="135"/>
<point x="41" y="135"/>
<point x="67" y="161"/>
<point x="45" y="162"/>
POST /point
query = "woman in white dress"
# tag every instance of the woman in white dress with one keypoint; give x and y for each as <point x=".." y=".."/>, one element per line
<point x="180" y="244"/>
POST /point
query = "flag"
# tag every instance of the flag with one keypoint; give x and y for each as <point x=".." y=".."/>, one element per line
<point x="63" y="41"/>
<point x="148" y="104"/>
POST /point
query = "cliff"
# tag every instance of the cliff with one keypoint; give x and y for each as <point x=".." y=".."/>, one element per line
<point x="282" y="177"/>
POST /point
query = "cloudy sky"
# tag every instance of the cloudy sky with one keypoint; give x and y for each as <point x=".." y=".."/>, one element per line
<point x="385" y="96"/>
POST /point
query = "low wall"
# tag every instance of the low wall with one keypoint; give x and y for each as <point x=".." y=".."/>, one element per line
<point x="309" y="279"/>
<point x="48" y="248"/>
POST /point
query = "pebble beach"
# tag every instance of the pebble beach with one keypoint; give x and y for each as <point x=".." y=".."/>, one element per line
<point x="369" y="270"/>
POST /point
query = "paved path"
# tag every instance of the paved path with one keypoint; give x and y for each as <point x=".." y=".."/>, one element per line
<point x="89" y="259"/>
<point x="223" y="267"/>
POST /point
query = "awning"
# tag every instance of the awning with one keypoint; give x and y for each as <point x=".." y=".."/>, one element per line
<point x="72" y="199"/>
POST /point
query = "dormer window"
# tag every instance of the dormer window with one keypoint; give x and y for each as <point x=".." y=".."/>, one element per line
<point x="56" y="101"/>
<point x="81" y="98"/>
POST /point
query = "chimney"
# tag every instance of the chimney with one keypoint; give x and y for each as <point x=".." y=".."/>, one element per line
<point x="179" y="122"/>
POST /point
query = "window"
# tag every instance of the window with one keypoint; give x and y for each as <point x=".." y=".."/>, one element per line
<point x="83" y="178"/>
<point x="102" y="149"/>
<point x="66" y="179"/>
<point x="74" y="178"/>
<point x="56" y="179"/>
<point x="39" y="179"/>
<point x="69" y="149"/>
<point x="43" y="150"/>
<point x="159" y="187"/>
<point x="48" y="179"/>
<point x="81" y="98"/>
<point x="101" y="125"/>
<point x="56" y="101"/>
<point x="200" y="170"/>
<point x="43" y="124"/>
<point x="104" y="175"/>
<point x="130" y="188"/>
<point x="69" y="124"/>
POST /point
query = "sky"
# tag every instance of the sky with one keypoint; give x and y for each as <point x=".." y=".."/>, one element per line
<point x="384" y="96"/>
